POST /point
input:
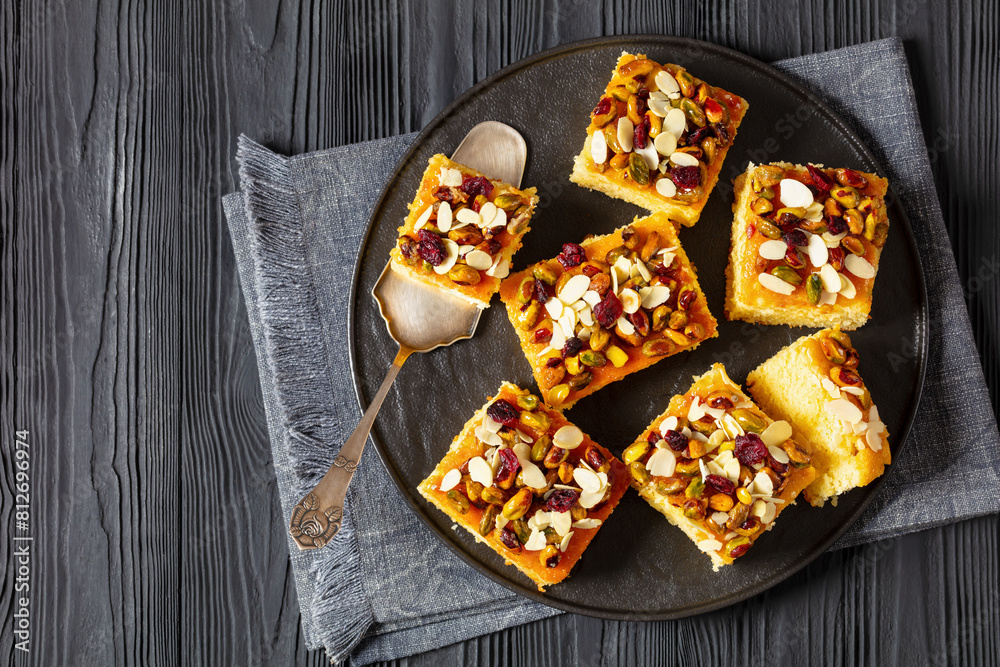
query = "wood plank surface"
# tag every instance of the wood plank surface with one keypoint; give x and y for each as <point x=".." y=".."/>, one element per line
<point x="126" y="350"/>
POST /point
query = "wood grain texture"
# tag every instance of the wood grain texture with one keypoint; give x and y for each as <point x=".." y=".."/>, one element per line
<point x="126" y="351"/>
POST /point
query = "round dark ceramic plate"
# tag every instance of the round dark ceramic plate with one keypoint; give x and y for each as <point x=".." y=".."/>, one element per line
<point x="639" y="567"/>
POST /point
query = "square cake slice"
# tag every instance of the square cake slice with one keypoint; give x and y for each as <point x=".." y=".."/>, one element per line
<point x="657" y="138"/>
<point x="462" y="231"/>
<point x="718" y="467"/>
<point x="805" y="247"/>
<point x="814" y="384"/>
<point x="607" y="307"/>
<point x="528" y="484"/>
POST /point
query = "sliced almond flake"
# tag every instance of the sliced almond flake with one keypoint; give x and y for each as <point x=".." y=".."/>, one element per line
<point x="565" y="487"/>
<point x="819" y="255"/>
<point x="451" y="256"/>
<point x="715" y="413"/>
<point x="724" y="457"/>
<point x="665" y="82"/>
<point x="703" y="469"/>
<point x="501" y="521"/>
<point x="649" y="155"/>
<point x="795" y="193"/>
<point x="762" y="482"/>
<point x="540" y="520"/>
<point x="830" y="277"/>
<point x="532" y="475"/>
<point x="859" y="428"/>
<point x="730" y="535"/>
<point x="769" y="511"/>
<point x="715" y="469"/>
<point x="683" y="159"/>
<point x="536" y="541"/>
<point x="719" y="517"/>
<point x="562" y="522"/>
<point x="584" y="333"/>
<point x="630" y="301"/>
<point x="479" y="260"/>
<point x="778" y="454"/>
<point x="659" y="106"/>
<point x="574" y="289"/>
<point x="591" y="297"/>
<point x="700" y="437"/>
<point x="554" y="308"/>
<point x="675" y="122"/>
<point x="588" y="499"/>
<point x="500" y="220"/>
<point x="603" y="476"/>
<point x="626" y="327"/>
<point x="827" y="298"/>
<point x="859" y="266"/>
<point x="668" y="424"/>
<point x="625" y="130"/>
<point x="775" y="284"/>
<point x="468" y="216"/>
<point x="500" y="268"/>
<point x="487" y="212"/>
<point x="814" y="212"/>
<point x="847" y="288"/>
<point x="424" y="217"/>
<point x="833" y="240"/>
<point x="686" y="432"/>
<point x="598" y="148"/>
<point x="695" y="411"/>
<point x="758" y="508"/>
<point x="643" y="270"/>
<point x="558" y="339"/>
<point x="444" y="216"/>
<point x="587" y="319"/>
<point x="709" y="545"/>
<point x="522" y="451"/>
<point x="495" y="461"/>
<point x="873" y="414"/>
<point x="857" y="391"/>
<point x="718" y="436"/>
<point x="587" y="524"/>
<point x="568" y="437"/>
<point x="524" y="437"/>
<point x="564" y="543"/>
<point x="464" y="250"/>
<point x="830" y="387"/>
<point x="665" y="144"/>
<point x="662" y="463"/>
<point x="844" y="410"/>
<point x="491" y="424"/>
<point x="773" y="249"/>
<point x="776" y="433"/>
<point x="731" y="427"/>
<point x="568" y="322"/>
<point x="491" y="439"/>
<point x="449" y="177"/>
<point x="655" y="296"/>
<point x="480" y="471"/>
<point x="874" y="440"/>
<point x="451" y="479"/>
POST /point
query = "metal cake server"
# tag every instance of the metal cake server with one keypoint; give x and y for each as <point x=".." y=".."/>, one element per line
<point x="420" y="318"/>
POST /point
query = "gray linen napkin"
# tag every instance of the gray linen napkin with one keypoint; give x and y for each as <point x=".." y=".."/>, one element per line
<point x="295" y="232"/>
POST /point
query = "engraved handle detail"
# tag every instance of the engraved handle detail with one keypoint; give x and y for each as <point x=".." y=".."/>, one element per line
<point x="316" y="519"/>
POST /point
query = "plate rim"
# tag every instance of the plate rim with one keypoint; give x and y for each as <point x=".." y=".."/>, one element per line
<point x="526" y="590"/>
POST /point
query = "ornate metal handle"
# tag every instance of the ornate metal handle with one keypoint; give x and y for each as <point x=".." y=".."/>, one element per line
<point x="317" y="517"/>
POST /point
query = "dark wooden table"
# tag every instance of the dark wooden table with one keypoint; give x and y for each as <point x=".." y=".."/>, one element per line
<point x="126" y="352"/>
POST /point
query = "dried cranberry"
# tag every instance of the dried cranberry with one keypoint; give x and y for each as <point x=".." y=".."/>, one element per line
<point x="444" y="194"/>
<point x="722" y="133"/>
<point x="590" y="270"/>
<point x="836" y="225"/>
<point x="720" y="484"/>
<point x="676" y="440"/>
<point x="854" y="179"/>
<point x="603" y="107"/>
<point x="573" y="346"/>
<point x="509" y="465"/>
<point x="751" y="230"/>
<point x="654" y="437"/>
<point x="476" y="185"/>
<point x="571" y="255"/>
<point x="543" y="292"/>
<point x="685" y="178"/>
<point x="740" y="549"/>
<point x="640" y="135"/>
<point x="503" y="411"/>
<point x="837" y="258"/>
<point x="795" y="238"/>
<point x="694" y="138"/>
<point x="492" y="246"/>
<point x="750" y="449"/>
<point x="541" y="335"/>
<point x="794" y="259"/>
<point x="561" y="500"/>
<point x="822" y="182"/>
<point x="608" y="310"/>
<point x="509" y="539"/>
<point x="552" y="362"/>
<point x="430" y="247"/>
<point x="553" y="560"/>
